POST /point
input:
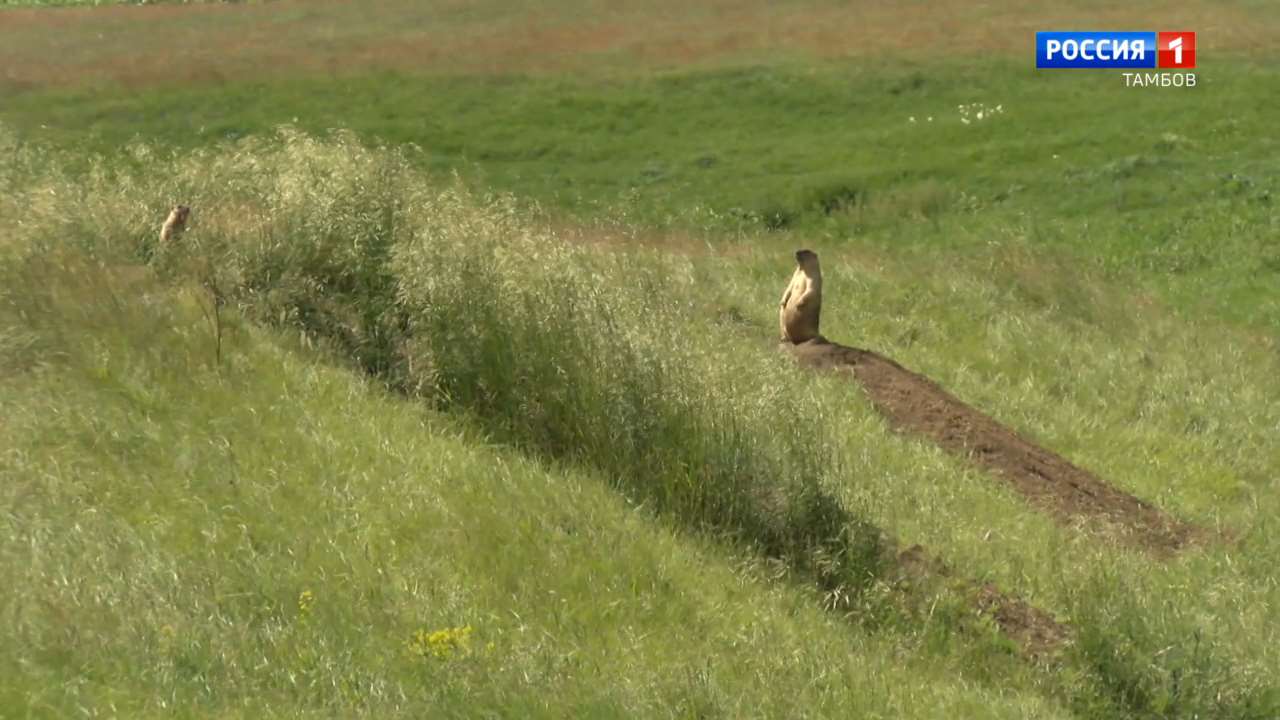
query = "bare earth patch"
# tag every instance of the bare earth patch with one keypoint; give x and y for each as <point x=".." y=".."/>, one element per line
<point x="1072" y="495"/>
<point x="1036" y="633"/>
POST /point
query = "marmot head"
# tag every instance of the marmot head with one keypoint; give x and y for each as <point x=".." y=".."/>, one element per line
<point x="177" y="219"/>
<point x="807" y="259"/>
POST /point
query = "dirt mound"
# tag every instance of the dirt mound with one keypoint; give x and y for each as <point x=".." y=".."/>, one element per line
<point x="916" y="404"/>
<point x="1036" y="633"/>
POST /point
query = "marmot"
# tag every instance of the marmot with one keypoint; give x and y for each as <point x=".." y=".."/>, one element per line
<point x="174" y="224"/>
<point x="802" y="301"/>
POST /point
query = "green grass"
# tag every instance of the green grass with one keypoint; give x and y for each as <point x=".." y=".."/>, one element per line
<point x="559" y="418"/>
<point x="266" y="533"/>
<point x="1170" y="190"/>
<point x="165" y="515"/>
<point x="583" y="357"/>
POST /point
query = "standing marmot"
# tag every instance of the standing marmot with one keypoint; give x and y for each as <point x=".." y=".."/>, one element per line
<point x="802" y="302"/>
<point x="174" y="224"/>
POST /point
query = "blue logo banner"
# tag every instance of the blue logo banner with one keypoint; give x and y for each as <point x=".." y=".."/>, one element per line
<point x="1092" y="49"/>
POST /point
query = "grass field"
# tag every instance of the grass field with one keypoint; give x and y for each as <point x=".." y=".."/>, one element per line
<point x="498" y="355"/>
<point x="1170" y="190"/>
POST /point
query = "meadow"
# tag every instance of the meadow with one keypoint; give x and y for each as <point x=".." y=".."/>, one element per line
<point x="461" y="394"/>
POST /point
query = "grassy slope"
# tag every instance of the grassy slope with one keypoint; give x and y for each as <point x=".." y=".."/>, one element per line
<point x="1174" y="638"/>
<point x="1040" y="293"/>
<point x="1181" y="413"/>
<point x="166" y="517"/>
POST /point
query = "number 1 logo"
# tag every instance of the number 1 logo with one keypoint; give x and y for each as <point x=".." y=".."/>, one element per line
<point x="1177" y="50"/>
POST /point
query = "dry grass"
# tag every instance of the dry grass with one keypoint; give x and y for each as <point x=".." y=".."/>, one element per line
<point x="137" y="46"/>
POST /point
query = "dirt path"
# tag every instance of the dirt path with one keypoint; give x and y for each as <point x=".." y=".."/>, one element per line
<point x="915" y="404"/>
<point x="1036" y="633"/>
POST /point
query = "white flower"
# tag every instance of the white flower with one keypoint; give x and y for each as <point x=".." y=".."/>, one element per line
<point x="964" y="120"/>
<point x="979" y="114"/>
<point x="911" y="119"/>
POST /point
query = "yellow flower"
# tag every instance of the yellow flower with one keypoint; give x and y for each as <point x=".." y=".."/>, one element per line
<point x="440" y="644"/>
<point x="305" y="600"/>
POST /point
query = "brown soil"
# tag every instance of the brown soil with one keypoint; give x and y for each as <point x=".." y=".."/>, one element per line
<point x="913" y="403"/>
<point x="1036" y="633"/>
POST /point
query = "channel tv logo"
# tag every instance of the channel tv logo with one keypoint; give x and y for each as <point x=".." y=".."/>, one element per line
<point x="1094" y="50"/>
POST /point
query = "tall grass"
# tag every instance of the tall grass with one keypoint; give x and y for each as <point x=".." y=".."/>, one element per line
<point x="608" y="361"/>
<point x="272" y="536"/>
<point x="599" y="357"/>
<point x="577" y="355"/>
